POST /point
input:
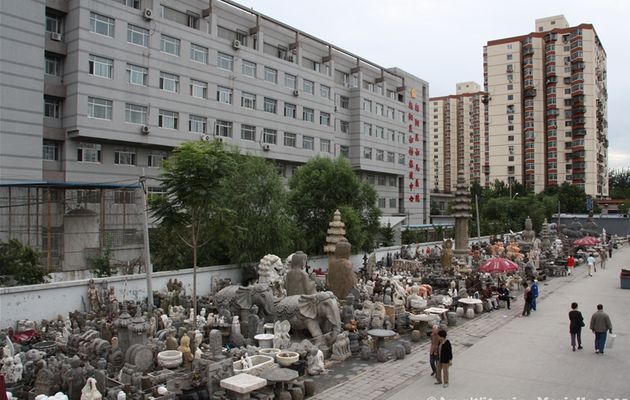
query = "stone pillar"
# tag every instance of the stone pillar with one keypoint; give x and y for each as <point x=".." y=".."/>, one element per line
<point x="462" y="216"/>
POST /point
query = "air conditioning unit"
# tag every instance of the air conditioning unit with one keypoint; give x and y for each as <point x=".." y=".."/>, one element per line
<point x="289" y="58"/>
<point x="205" y="138"/>
<point x="148" y="14"/>
<point x="296" y="93"/>
<point x="266" y="147"/>
<point x="220" y="139"/>
<point x="236" y="44"/>
<point x="145" y="130"/>
<point x="56" y="36"/>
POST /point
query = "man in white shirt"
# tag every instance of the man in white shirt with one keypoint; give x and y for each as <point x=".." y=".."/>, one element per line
<point x="591" y="263"/>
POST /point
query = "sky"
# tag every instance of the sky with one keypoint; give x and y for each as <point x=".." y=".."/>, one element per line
<point x="441" y="41"/>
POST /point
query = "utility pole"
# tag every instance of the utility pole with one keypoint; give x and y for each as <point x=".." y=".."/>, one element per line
<point x="478" y="230"/>
<point x="147" y="251"/>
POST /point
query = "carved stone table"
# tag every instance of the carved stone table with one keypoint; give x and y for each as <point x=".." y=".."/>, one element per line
<point x="279" y="376"/>
<point x="243" y="384"/>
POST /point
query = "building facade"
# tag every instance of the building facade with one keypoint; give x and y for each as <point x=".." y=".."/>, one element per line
<point x="95" y="91"/>
<point x="547" y="107"/>
<point x="458" y="141"/>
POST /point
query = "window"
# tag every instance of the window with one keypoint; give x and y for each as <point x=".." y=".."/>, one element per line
<point x="510" y="97"/>
<point x="344" y="126"/>
<point x="124" y="156"/>
<point x="367" y="153"/>
<point x="378" y="109"/>
<point x="367" y="105"/>
<point x="137" y="35"/>
<point x="290" y="139"/>
<point x="135" y="114"/>
<point x="224" y="95"/>
<point x="401" y="159"/>
<point x="225" y="61"/>
<point x="380" y="156"/>
<point x="390" y="113"/>
<point x="53" y="65"/>
<point x="324" y="91"/>
<point x="390" y="159"/>
<point x="50" y="150"/>
<point x="223" y="128"/>
<point x="248" y="100"/>
<point x="123" y="197"/>
<point x="53" y="23"/>
<point x="271" y="75"/>
<point x="510" y="87"/>
<point x="324" y="146"/>
<point x="344" y="151"/>
<point x="248" y="132"/>
<point x="198" y="53"/>
<point x="89" y="152"/>
<point x="308" y="142"/>
<point x="137" y="75"/>
<point x="381" y="179"/>
<point x="308" y="114"/>
<point x="270" y="136"/>
<point x="393" y="203"/>
<point x="344" y="102"/>
<point x="187" y="18"/>
<point x="198" y="89"/>
<point x="509" y="56"/>
<point x="101" y="24"/>
<point x="510" y="138"/>
<point x="309" y="86"/>
<point x="169" y="82"/>
<point x="324" y="118"/>
<point x="168" y="119"/>
<point x="52" y="107"/>
<point x="131" y="3"/>
<point x="99" y="108"/>
<point x="290" y="110"/>
<point x="101" y="66"/>
<point x="197" y="124"/>
<point x="367" y="129"/>
<point x="270" y="105"/>
<point x="248" y="68"/>
<point x="156" y="158"/>
<point x="290" y="81"/>
<point x="170" y="45"/>
<point x="380" y="132"/>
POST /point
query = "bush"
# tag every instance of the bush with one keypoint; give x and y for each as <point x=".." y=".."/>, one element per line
<point x="21" y="262"/>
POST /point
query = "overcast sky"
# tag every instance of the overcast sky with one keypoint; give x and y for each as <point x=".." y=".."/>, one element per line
<point x="441" y="41"/>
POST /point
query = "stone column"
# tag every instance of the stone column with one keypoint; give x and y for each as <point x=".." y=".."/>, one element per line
<point x="462" y="216"/>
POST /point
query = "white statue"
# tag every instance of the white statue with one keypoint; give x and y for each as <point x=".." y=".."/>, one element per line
<point x="18" y="368"/>
<point x="315" y="362"/>
<point x="89" y="391"/>
<point x="121" y="396"/>
<point x="281" y="338"/>
<point x="166" y="321"/>
<point x="198" y="341"/>
<point x="8" y="370"/>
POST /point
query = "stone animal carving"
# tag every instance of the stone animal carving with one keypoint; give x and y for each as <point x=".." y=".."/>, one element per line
<point x="319" y="313"/>
<point x="239" y="299"/>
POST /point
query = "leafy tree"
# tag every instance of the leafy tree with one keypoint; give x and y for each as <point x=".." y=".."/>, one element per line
<point x="322" y="186"/>
<point x="260" y="221"/>
<point x="387" y="235"/>
<point x="619" y="183"/>
<point x="193" y="180"/>
<point x="572" y="198"/>
<point x="21" y="262"/>
<point x="103" y="263"/>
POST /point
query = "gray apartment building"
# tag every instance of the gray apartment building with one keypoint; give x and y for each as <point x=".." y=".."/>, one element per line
<point x="95" y="91"/>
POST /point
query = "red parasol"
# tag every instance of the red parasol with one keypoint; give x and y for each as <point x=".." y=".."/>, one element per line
<point x="586" y="241"/>
<point x="498" y="264"/>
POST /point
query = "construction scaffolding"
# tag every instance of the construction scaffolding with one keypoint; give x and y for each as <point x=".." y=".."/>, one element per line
<point x="72" y="224"/>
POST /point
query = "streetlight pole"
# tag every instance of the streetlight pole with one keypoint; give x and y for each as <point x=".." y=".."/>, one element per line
<point x="478" y="230"/>
<point x="147" y="252"/>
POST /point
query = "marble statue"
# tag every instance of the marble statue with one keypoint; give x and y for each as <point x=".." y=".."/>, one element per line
<point x="315" y="362"/>
<point x="271" y="271"/>
<point x="281" y="338"/>
<point x="447" y="254"/>
<point x="184" y="348"/>
<point x="297" y="280"/>
<point x="95" y="304"/>
<point x="89" y="391"/>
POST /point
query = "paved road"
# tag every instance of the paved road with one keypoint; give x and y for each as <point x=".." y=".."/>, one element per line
<point x="501" y="355"/>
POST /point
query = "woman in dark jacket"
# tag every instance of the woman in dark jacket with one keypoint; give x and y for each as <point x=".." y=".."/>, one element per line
<point x="445" y="354"/>
<point x="575" y="326"/>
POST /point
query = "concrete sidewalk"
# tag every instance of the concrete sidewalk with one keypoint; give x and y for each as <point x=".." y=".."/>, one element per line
<point x="501" y="355"/>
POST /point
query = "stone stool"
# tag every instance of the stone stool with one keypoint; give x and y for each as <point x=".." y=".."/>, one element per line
<point x="451" y="317"/>
<point x="479" y="308"/>
<point x="470" y="313"/>
<point x="502" y="303"/>
<point x="243" y="384"/>
<point x="460" y="311"/>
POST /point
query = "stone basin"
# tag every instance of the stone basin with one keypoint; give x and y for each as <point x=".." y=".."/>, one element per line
<point x="272" y="352"/>
<point x="260" y="363"/>
<point x="286" y="358"/>
<point x="265" y="340"/>
<point x="170" y="358"/>
<point x="421" y="317"/>
<point x="48" y="347"/>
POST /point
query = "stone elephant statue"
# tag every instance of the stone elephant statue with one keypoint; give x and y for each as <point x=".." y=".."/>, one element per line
<point x="240" y="299"/>
<point x="318" y="312"/>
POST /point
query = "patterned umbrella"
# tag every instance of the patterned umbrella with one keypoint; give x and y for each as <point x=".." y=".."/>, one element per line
<point x="498" y="264"/>
<point x="586" y="241"/>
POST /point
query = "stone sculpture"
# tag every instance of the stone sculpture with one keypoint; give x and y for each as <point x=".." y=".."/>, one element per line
<point x="270" y="272"/>
<point x="315" y="362"/>
<point x="297" y="280"/>
<point x="240" y="299"/>
<point x="341" y="347"/>
<point x="89" y="391"/>
<point x="184" y="348"/>
<point x="447" y="254"/>
<point x="312" y="312"/>
<point x="341" y="277"/>
<point x="281" y="338"/>
<point x="92" y="294"/>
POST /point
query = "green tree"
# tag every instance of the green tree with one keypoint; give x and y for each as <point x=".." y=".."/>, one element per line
<point x="387" y="235"/>
<point x="21" y="262"/>
<point x="260" y="221"/>
<point x="619" y="183"/>
<point x="193" y="179"/>
<point x="103" y="263"/>
<point x="320" y="187"/>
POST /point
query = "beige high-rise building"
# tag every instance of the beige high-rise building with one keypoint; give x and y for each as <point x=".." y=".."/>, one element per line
<point x="547" y="107"/>
<point x="458" y="133"/>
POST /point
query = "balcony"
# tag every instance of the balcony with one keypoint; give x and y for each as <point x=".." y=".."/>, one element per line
<point x="578" y="132"/>
<point x="530" y="93"/>
<point x="58" y="5"/>
<point x="56" y="46"/>
<point x="578" y="66"/>
<point x="528" y="51"/>
<point x="53" y="87"/>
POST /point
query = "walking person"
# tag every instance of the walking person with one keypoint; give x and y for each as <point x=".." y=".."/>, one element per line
<point x="602" y="257"/>
<point x="591" y="264"/>
<point x="570" y="264"/>
<point x="433" y="352"/>
<point x="600" y="325"/>
<point x="445" y="352"/>
<point x="575" y="326"/>
<point x="527" y="296"/>
<point x="610" y="247"/>
<point x="534" y="289"/>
